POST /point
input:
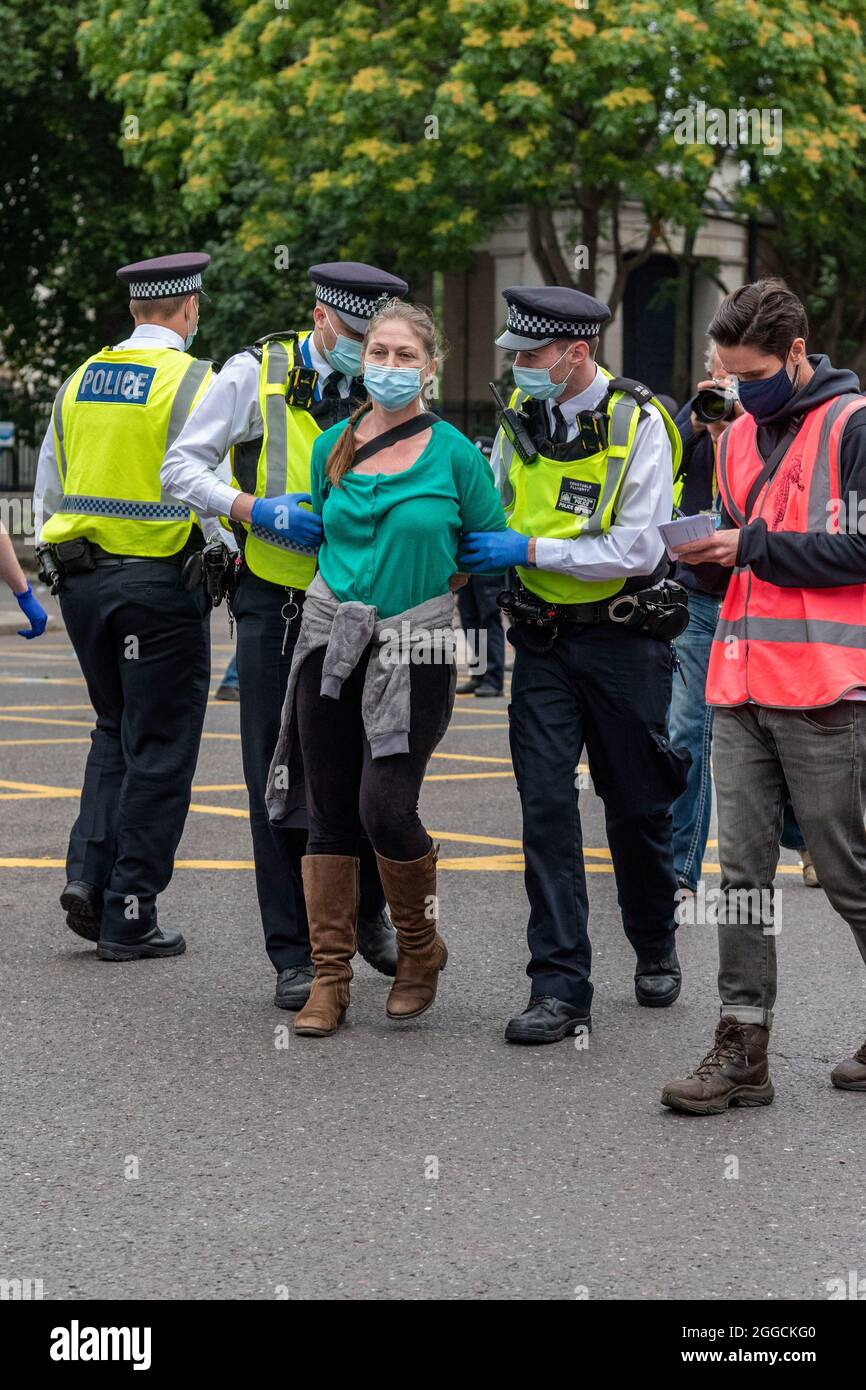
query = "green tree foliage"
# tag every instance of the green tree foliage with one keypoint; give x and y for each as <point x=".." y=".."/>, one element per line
<point x="295" y="130"/>
<point x="70" y="210"/>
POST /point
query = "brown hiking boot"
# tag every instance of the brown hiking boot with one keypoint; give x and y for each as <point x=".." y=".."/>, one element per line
<point x="331" y="893"/>
<point x="850" y="1075"/>
<point x="735" y="1071"/>
<point x="410" y="888"/>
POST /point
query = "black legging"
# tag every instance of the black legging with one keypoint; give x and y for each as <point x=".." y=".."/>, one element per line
<point x="348" y="791"/>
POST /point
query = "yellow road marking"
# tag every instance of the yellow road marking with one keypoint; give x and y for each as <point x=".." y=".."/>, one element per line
<point x="36" y="742"/>
<point x="491" y="862"/>
<point x="42" y="680"/>
<point x="471" y="758"/>
<point x="464" y="776"/>
<point x="44" y="707"/>
<point x="452" y="727"/>
<point x="38" y="719"/>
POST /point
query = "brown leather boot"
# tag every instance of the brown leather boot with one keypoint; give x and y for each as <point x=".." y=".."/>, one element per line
<point x="410" y="888"/>
<point x="734" y="1072"/>
<point x="850" y="1075"/>
<point x="331" y="893"/>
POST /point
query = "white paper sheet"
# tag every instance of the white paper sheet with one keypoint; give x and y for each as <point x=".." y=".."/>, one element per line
<point x="685" y="528"/>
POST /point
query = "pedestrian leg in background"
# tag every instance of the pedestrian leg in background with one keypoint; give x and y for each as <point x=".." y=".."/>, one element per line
<point x="624" y="682"/>
<point x="691" y="727"/>
<point x="467" y="608"/>
<point x="229" y="687"/>
<point x="489" y="634"/>
<point x="751" y="793"/>
<point x="792" y="838"/>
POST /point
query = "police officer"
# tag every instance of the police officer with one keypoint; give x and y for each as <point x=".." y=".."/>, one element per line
<point x="268" y="405"/>
<point x="127" y="556"/>
<point x="585" y="465"/>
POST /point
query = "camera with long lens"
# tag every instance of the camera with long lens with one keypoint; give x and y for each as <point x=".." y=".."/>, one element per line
<point x="714" y="404"/>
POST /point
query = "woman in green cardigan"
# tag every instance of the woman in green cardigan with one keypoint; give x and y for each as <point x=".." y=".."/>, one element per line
<point x="374" y="684"/>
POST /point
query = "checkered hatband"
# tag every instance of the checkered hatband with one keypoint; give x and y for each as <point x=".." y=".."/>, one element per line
<point x="164" y="289"/>
<point x="533" y="326"/>
<point x="349" y="301"/>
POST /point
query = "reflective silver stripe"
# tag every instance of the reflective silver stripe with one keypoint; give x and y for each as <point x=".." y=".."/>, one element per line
<point x="809" y="630"/>
<point x="130" y="511"/>
<point x="819" y="491"/>
<point x="180" y="408"/>
<point x="724" y="487"/>
<point x="276" y="458"/>
<point x="57" y="417"/>
<point x="282" y="542"/>
<point x="617" y="464"/>
<point x="184" y="397"/>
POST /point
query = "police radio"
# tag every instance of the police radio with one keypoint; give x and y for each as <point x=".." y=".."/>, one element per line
<point x="513" y="424"/>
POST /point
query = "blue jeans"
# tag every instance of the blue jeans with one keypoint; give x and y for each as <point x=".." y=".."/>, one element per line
<point x="231" y="674"/>
<point x="691" y="727"/>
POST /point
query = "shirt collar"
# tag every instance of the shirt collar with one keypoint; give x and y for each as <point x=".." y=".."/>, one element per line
<point x="584" y="400"/>
<point x="153" y="332"/>
<point x="321" y="364"/>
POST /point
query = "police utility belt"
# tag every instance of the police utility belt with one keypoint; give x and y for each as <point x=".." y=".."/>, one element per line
<point x="660" y="612"/>
<point x="211" y="565"/>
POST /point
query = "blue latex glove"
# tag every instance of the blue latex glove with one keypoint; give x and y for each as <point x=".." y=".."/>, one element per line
<point x="489" y="552"/>
<point x="34" y="612"/>
<point x="285" y="517"/>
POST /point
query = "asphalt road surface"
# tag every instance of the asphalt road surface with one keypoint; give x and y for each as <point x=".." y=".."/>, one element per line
<point x="164" y="1137"/>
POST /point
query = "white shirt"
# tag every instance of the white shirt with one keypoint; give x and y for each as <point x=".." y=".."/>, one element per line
<point x="228" y="414"/>
<point x="632" y="545"/>
<point x="47" y="470"/>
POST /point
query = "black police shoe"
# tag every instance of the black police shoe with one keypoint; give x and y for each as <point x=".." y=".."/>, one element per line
<point x="82" y="903"/>
<point x="657" y="983"/>
<point x="377" y="942"/>
<point x="293" y="986"/>
<point x="469" y="686"/>
<point x="157" y="942"/>
<point x="547" y="1020"/>
<point x="487" y="690"/>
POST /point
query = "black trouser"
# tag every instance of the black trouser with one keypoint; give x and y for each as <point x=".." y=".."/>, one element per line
<point x="607" y="689"/>
<point x="263" y="672"/>
<point x="350" y="793"/>
<point x="481" y="620"/>
<point x="144" y="647"/>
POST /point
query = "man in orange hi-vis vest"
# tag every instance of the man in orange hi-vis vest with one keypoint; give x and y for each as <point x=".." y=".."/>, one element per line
<point x="787" y="670"/>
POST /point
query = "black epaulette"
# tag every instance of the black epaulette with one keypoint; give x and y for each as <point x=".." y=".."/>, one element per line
<point x="636" y="389"/>
<point x="255" y="348"/>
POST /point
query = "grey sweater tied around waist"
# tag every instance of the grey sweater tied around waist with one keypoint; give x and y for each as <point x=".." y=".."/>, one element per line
<point x="420" y="635"/>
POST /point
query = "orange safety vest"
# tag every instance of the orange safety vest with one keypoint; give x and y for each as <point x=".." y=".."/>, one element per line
<point x="788" y="648"/>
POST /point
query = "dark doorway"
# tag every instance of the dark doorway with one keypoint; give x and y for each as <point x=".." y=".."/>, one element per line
<point x="649" y="319"/>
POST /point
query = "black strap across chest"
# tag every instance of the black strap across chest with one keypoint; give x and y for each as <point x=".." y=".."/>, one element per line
<point x="771" y="464"/>
<point x="384" y="441"/>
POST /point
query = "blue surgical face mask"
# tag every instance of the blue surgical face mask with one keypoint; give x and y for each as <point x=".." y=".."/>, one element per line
<point x="536" y="382"/>
<point x="187" y="342"/>
<point x="766" y="397"/>
<point x="345" y="355"/>
<point x="393" y="387"/>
